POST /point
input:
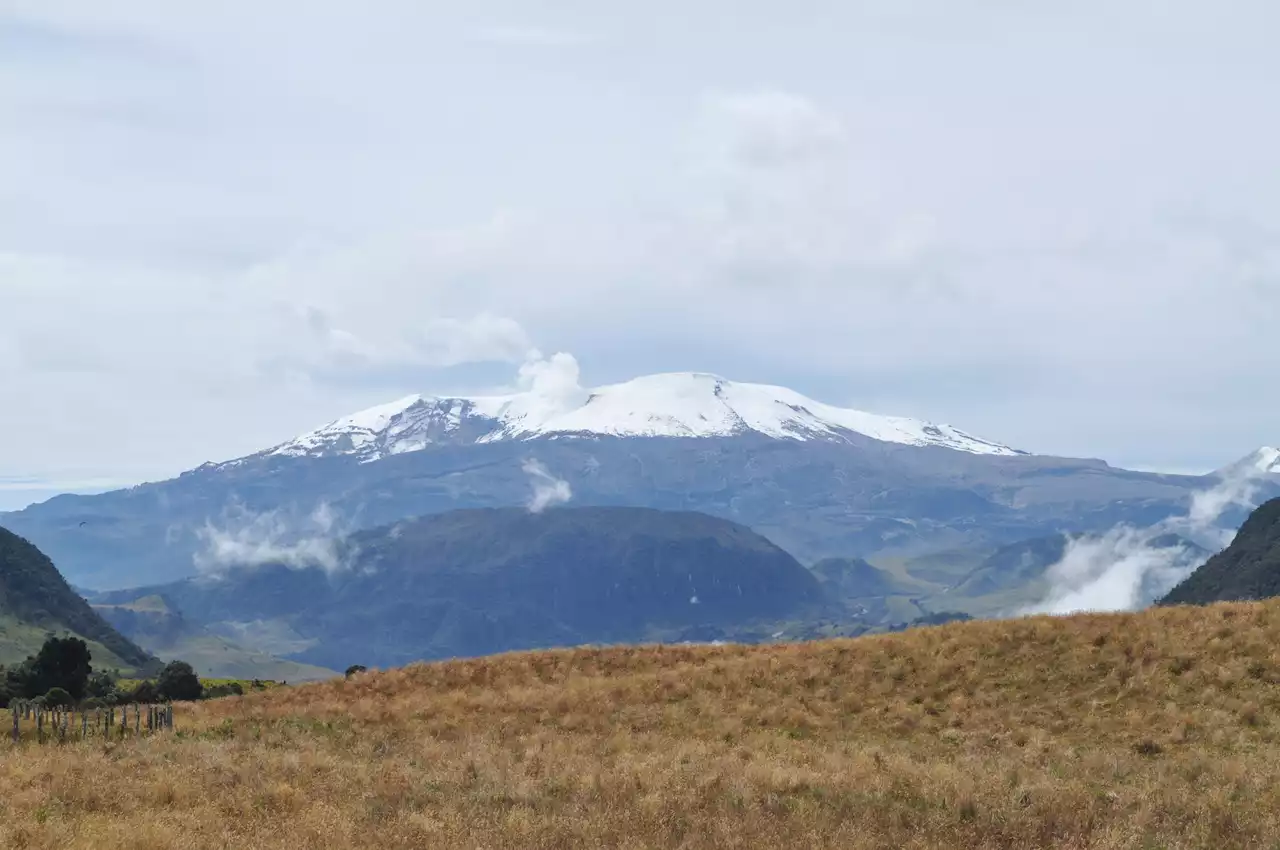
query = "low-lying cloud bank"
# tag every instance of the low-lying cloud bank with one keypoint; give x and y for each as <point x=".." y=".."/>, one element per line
<point x="1129" y="568"/>
<point x="249" y="539"/>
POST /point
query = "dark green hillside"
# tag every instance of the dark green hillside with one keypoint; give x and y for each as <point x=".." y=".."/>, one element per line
<point x="1247" y="569"/>
<point x="475" y="582"/>
<point x="35" y="599"/>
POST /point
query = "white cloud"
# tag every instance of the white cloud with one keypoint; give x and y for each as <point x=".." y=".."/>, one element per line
<point x="1117" y="571"/>
<point x="772" y="130"/>
<point x="248" y="539"/>
<point x="1127" y="568"/>
<point x="548" y="490"/>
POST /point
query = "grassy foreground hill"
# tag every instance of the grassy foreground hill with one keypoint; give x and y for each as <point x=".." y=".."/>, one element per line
<point x="1160" y="729"/>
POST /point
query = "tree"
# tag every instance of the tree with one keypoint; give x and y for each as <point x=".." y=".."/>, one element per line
<point x="61" y="663"/>
<point x="58" y="698"/>
<point x="101" y="685"/>
<point x="178" y="682"/>
<point x="144" y="692"/>
<point x="354" y="669"/>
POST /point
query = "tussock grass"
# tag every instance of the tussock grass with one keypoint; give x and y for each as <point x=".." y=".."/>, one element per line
<point x="1160" y="729"/>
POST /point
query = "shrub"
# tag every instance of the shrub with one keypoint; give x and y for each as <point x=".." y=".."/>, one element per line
<point x="101" y="685"/>
<point x="144" y="692"/>
<point x="178" y="682"/>
<point x="230" y="689"/>
<point x="58" y="698"/>
<point x="354" y="669"/>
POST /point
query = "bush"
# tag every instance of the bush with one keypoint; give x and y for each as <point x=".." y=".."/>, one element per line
<point x="58" y="698"/>
<point x="145" y="692"/>
<point x="178" y="682"/>
<point x="101" y="686"/>
<point x="356" y="668"/>
<point x="230" y="689"/>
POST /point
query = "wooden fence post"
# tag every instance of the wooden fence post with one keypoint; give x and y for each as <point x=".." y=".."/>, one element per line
<point x="39" y="725"/>
<point x="17" y="730"/>
<point x="84" y="725"/>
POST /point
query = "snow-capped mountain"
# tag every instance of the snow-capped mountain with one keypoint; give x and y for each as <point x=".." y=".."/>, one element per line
<point x="1264" y="461"/>
<point x="666" y="405"/>
<point x="1267" y="459"/>
<point x="818" y="480"/>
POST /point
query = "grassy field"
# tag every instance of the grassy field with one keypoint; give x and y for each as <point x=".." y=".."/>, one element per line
<point x="1156" y="730"/>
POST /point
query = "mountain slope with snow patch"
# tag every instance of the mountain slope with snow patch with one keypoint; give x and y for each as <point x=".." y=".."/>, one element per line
<point x="1263" y="461"/>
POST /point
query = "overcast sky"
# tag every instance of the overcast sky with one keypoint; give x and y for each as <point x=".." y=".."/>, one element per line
<point x="221" y="224"/>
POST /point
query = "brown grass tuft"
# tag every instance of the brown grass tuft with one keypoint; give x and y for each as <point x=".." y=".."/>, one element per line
<point x="1100" y="731"/>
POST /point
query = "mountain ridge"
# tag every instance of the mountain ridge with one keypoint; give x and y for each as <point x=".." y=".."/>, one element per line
<point x="862" y="498"/>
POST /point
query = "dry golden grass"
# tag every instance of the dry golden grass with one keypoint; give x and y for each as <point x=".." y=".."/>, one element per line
<point x="1160" y="729"/>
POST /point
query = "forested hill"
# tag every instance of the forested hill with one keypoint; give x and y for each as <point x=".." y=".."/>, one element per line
<point x="1247" y="569"/>
<point x="35" y="598"/>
